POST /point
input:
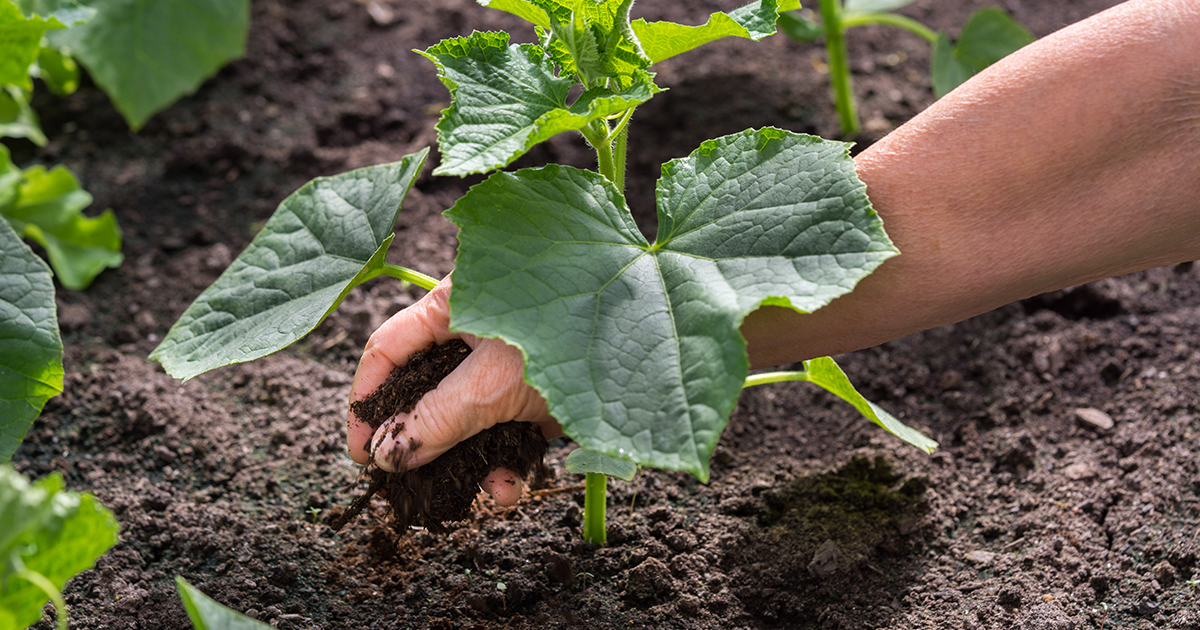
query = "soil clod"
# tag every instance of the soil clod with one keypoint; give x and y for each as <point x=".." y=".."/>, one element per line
<point x="444" y="489"/>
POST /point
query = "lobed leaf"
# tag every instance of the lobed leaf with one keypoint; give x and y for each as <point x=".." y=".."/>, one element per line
<point x="47" y="208"/>
<point x="507" y="99"/>
<point x="145" y="54"/>
<point x="20" y="40"/>
<point x="636" y="346"/>
<point x="46" y="530"/>
<point x="67" y="12"/>
<point x="207" y="614"/>
<point x="324" y="239"/>
<point x="582" y="461"/>
<point x="31" y="351"/>
<point x="989" y="35"/>
<point x="662" y="40"/>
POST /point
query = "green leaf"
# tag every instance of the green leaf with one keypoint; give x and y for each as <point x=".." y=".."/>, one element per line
<point x="636" y="346"/>
<point x="582" y="461"/>
<point x="506" y="99"/>
<point x="49" y="531"/>
<point x="523" y="9"/>
<point x="874" y="6"/>
<point x="58" y="71"/>
<point x="988" y="36"/>
<point x="826" y="373"/>
<point x="17" y="118"/>
<point x="207" y="614"/>
<point x="147" y="53"/>
<point x="31" y="351"/>
<point x="48" y="210"/>
<point x="20" y="40"/>
<point x="662" y="40"/>
<point x="325" y="239"/>
<point x="801" y="26"/>
<point x="68" y="12"/>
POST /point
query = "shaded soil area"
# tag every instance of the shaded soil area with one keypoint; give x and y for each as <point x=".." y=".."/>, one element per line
<point x="1066" y="493"/>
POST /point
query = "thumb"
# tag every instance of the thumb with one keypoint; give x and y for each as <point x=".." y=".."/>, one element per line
<point x="487" y="388"/>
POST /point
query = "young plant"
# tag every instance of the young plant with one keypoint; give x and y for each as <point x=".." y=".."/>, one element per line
<point x="634" y="345"/>
<point x="47" y="535"/>
<point x="989" y="35"/>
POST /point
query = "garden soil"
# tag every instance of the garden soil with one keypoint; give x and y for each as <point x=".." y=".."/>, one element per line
<point x="1066" y="494"/>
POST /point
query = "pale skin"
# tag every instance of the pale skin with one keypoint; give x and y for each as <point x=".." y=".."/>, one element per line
<point x="1074" y="159"/>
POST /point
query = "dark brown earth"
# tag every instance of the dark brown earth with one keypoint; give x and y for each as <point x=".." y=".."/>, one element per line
<point x="444" y="489"/>
<point x="1030" y="516"/>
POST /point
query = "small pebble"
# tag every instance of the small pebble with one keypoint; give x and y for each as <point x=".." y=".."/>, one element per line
<point x="980" y="557"/>
<point x="1091" y="418"/>
<point x="1079" y="471"/>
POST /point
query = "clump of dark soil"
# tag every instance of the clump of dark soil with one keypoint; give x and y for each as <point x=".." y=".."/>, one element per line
<point x="443" y="490"/>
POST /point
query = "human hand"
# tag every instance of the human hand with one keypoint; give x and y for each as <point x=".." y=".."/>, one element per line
<point x="486" y="389"/>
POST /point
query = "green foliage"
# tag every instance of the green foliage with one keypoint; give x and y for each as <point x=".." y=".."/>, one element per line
<point x="988" y="36"/>
<point x="17" y="118"/>
<point x="46" y="207"/>
<point x="507" y="99"/>
<point x="47" y="535"/>
<point x="325" y="239"/>
<point x="636" y="346"/>
<point x="20" y="40"/>
<point x="662" y="40"/>
<point x="31" y="351"/>
<point x="147" y="53"/>
<point x="581" y="461"/>
<point x="875" y="6"/>
<point x="207" y="614"/>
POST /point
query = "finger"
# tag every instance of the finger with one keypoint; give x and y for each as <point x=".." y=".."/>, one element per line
<point x="504" y="485"/>
<point x="412" y="329"/>
<point x="487" y="388"/>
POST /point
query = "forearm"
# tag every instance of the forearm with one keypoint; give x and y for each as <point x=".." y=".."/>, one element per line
<point x="1074" y="159"/>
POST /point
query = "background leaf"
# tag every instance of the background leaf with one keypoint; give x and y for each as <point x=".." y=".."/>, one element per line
<point x="662" y="40"/>
<point x="324" y="239"/>
<point x="58" y="71"/>
<point x="207" y="614"/>
<point x="145" y="54"/>
<point x="507" y="99"/>
<point x="68" y="12"/>
<point x="989" y="35"/>
<point x="47" y="530"/>
<point x="20" y="40"/>
<point x="582" y="461"/>
<point x="17" y="118"/>
<point x="636" y="346"/>
<point x="47" y="209"/>
<point x="31" y="351"/>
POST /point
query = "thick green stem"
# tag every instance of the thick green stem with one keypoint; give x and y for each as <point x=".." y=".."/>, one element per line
<point x="55" y="595"/>
<point x="595" y="499"/>
<point x="598" y="134"/>
<point x="775" y="377"/>
<point x="851" y="20"/>
<point x="839" y="69"/>
<point x="409" y="275"/>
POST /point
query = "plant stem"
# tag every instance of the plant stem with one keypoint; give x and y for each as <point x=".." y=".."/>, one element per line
<point x="594" y="505"/>
<point x="408" y="275"/>
<point x="839" y="69"/>
<point x="55" y="595"/>
<point x="775" y="377"/>
<point x="853" y="19"/>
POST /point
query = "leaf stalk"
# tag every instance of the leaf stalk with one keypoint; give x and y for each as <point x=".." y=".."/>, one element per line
<point x="55" y="595"/>
<point x="852" y="19"/>
<point x="594" y="507"/>
<point x="839" y="68"/>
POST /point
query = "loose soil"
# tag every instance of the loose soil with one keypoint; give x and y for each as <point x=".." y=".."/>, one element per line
<point x="1032" y="515"/>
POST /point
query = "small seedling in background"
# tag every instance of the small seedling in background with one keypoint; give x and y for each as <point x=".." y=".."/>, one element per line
<point x="313" y="513"/>
<point x="989" y="35"/>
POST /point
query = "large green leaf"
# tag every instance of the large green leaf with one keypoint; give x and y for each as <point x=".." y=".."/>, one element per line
<point x="31" y="351"/>
<point x="754" y="21"/>
<point x="47" y="208"/>
<point x="324" y="240"/>
<point x="582" y="461"/>
<point x="636" y="346"/>
<point x="147" y="53"/>
<point x="207" y="614"/>
<point x="507" y="99"/>
<point x="989" y="35"/>
<point x="47" y="531"/>
<point x="67" y="12"/>
<point x="20" y="40"/>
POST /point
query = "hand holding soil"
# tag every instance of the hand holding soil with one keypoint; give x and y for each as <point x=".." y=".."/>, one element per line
<point x="486" y="389"/>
